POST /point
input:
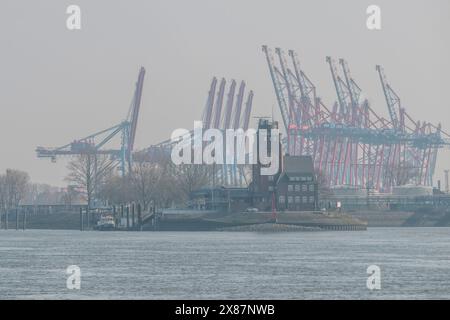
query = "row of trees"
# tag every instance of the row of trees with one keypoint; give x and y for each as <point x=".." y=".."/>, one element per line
<point x="157" y="183"/>
<point x="91" y="177"/>
<point x="16" y="189"/>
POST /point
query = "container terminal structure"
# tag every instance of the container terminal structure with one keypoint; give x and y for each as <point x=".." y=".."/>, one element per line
<point x="225" y="108"/>
<point x="102" y="142"/>
<point x="350" y="143"/>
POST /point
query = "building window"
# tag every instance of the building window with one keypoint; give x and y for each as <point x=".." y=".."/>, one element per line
<point x="297" y="199"/>
<point x="311" y="187"/>
<point x="270" y="188"/>
<point x="309" y="179"/>
<point x="297" y="187"/>
<point x="304" y="187"/>
<point x="281" y="199"/>
<point x="311" y="199"/>
<point x="290" y="187"/>
<point x="270" y="178"/>
<point x="290" y="199"/>
<point x="305" y="199"/>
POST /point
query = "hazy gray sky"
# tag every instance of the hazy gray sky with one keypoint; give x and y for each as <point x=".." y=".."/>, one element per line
<point x="57" y="85"/>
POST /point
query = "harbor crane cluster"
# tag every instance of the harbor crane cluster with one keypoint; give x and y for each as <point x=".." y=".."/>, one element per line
<point x="224" y="109"/>
<point x="352" y="145"/>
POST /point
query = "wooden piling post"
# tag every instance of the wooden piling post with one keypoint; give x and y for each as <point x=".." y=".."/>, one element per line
<point x="81" y="219"/>
<point x="87" y="217"/>
<point x="128" y="217"/>
<point x="139" y="212"/>
<point x="132" y="215"/>
<point x="17" y="218"/>
<point x="121" y="214"/>
<point x="24" y="222"/>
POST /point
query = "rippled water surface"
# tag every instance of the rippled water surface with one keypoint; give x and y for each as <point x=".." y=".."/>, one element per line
<point x="414" y="262"/>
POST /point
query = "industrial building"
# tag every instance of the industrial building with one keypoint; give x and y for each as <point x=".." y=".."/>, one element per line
<point x="292" y="188"/>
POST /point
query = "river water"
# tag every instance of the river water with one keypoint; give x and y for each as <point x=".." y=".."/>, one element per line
<point x="414" y="264"/>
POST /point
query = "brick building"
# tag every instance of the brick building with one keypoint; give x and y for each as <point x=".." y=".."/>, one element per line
<point x="292" y="188"/>
<point x="296" y="187"/>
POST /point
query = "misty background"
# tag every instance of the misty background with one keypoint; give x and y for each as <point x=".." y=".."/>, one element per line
<point x="58" y="85"/>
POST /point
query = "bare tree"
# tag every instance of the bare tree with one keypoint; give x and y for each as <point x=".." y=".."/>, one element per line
<point x="87" y="172"/>
<point x="156" y="182"/>
<point x="16" y="186"/>
<point x="13" y="186"/>
<point x="70" y="195"/>
<point x="116" y="189"/>
<point x="190" y="177"/>
<point x="322" y="185"/>
<point x="3" y="193"/>
<point x="147" y="179"/>
<point x="168" y="189"/>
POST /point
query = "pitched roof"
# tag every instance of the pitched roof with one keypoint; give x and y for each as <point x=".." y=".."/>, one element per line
<point x="294" y="165"/>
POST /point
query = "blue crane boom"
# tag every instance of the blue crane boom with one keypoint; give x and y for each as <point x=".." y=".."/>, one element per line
<point x="342" y="91"/>
<point x="276" y="81"/>
<point x="392" y="99"/>
<point x="97" y="143"/>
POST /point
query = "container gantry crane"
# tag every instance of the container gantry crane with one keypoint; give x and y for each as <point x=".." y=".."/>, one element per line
<point x="100" y="143"/>
<point x="224" y="109"/>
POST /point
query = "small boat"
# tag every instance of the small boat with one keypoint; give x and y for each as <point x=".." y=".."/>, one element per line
<point x="106" y="223"/>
